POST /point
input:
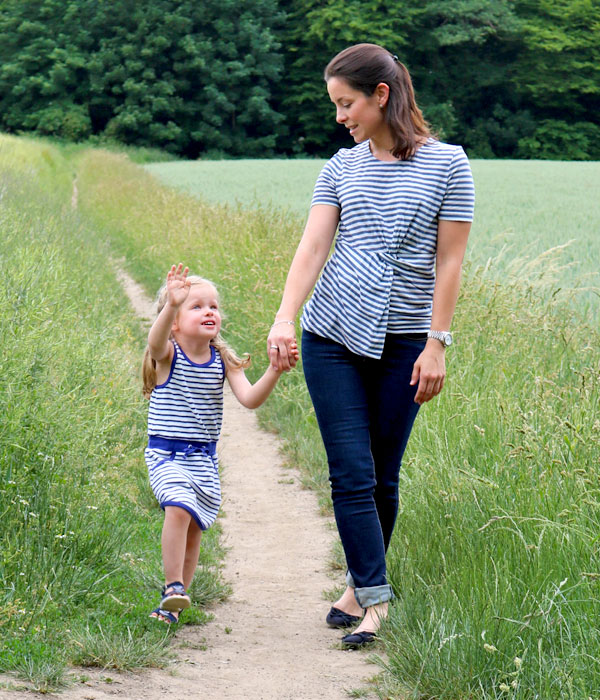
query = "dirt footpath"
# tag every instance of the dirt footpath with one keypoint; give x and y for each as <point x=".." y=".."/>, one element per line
<point x="269" y="641"/>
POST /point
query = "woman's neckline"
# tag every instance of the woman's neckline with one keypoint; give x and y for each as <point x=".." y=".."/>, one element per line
<point x="395" y="161"/>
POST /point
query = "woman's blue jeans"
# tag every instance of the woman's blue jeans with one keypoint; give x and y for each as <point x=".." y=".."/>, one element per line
<point x="365" y="409"/>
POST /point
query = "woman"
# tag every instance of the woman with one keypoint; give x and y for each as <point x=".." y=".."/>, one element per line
<point x="377" y="326"/>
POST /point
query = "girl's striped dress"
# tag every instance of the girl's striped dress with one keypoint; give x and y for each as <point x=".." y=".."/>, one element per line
<point x="184" y="424"/>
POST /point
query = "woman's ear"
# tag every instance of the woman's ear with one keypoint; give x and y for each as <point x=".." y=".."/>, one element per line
<point x="382" y="93"/>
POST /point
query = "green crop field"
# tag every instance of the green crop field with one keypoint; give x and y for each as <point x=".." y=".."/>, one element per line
<point x="495" y="561"/>
<point x="523" y="209"/>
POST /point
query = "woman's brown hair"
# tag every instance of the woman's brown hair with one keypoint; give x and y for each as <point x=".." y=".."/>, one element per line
<point x="363" y="67"/>
<point x="230" y="358"/>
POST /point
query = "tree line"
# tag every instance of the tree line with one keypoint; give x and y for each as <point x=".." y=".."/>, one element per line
<point x="203" y="78"/>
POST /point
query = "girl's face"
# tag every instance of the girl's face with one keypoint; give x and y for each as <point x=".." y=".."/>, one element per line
<point x="360" y="114"/>
<point x="199" y="317"/>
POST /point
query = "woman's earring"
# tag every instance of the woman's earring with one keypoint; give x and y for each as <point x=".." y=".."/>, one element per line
<point x="380" y="106"/>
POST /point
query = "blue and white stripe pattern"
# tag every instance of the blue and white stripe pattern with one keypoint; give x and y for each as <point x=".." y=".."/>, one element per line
<point x="187" y="410"/>
<point x="381" y="276"/>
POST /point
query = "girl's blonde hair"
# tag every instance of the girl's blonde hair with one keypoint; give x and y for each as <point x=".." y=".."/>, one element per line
<point x="229" y="356"/>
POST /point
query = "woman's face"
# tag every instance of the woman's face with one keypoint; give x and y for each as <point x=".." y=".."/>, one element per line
<point x="360" y="114"/>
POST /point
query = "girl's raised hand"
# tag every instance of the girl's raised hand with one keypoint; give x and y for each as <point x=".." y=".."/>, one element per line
<point x="178" y="286"/>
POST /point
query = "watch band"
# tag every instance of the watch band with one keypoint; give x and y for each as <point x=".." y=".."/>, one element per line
<point x="445" y="337"/>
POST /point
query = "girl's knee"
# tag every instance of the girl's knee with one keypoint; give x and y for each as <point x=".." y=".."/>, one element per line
<point x="178" y="515"/>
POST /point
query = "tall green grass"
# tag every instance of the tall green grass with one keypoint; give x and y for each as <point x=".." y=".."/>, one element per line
<point x="495" y="557"/>
<point x="80" y="538"/>
<point x="523" y="208"/>
<point x="245" y="252"/>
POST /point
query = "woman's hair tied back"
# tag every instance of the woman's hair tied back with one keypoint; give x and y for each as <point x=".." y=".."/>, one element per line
<point x="364" y="67"/>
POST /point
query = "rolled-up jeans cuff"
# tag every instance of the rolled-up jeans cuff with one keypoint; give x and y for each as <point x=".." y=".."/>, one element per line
<point x="373" y="595"/>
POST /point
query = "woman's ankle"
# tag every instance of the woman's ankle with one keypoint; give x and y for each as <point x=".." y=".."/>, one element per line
<point x="374" y="616"/>
<point x="348" y="603"/>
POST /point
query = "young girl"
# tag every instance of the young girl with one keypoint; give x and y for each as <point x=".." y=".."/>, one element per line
<point x="185" y="365"/>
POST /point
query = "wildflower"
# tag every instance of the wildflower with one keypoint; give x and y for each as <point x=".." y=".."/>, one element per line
<point x="518" y="662"/>
<point x="444" y="641"/>
<point x="504" y="688"/>
<point x="490" y="648"/>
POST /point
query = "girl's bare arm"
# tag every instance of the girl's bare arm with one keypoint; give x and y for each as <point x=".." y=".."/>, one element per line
<point x="178" y="288"/>
<point x="158" y="337"/>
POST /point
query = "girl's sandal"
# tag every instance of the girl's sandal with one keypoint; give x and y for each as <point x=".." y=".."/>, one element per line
<point x="165" y="616"/>
<point x="174" y="597"/>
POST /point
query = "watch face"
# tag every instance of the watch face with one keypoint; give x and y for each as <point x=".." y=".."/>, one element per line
<point x="447" y="339"/>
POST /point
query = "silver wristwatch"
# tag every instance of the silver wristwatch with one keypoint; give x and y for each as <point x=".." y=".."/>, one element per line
<point x="445" y="337"/>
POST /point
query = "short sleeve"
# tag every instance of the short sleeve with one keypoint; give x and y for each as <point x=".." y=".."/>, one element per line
<point x="459" y="201"/>
<point x="325" y="191"/>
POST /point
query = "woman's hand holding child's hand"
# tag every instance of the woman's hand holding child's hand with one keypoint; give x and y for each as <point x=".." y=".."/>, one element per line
<point x="292" y="355"/>
<point x="178" y="286"/>
<point x="282" y="347"/>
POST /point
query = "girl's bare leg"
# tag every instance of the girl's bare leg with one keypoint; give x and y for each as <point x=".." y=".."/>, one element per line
<point x="192" y="552"/>
<point x="174" y="542"/>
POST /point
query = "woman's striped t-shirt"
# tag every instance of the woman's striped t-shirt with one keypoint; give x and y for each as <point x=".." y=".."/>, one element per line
<point x="189" y="405"/>
<point x="381" y="275"/>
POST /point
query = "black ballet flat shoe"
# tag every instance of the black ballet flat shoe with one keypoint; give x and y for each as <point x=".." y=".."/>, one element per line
<point x="339" y="618"/>
<point x="358" y="640"/>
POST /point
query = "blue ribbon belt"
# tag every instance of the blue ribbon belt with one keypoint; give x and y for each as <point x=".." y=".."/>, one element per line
<point x="188" y="447"/>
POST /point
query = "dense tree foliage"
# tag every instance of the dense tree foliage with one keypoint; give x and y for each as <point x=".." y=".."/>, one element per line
<point x="509" y="78"/>
<point x="183" y="75"/>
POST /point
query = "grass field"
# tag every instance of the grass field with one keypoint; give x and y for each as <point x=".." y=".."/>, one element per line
<point x="523" y="209"/>
<point x="495" y="561"/>
<point x="80" y="562"/>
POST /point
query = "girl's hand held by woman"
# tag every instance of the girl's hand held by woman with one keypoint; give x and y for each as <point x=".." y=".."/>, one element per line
<point x="282" y="347"/>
